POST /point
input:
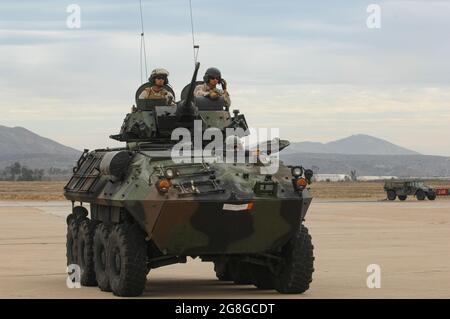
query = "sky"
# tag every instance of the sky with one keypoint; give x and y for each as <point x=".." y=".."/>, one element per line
<point x="312" y="69"/>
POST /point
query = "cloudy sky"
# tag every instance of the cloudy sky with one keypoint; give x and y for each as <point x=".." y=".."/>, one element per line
<point x="313" y="69"/>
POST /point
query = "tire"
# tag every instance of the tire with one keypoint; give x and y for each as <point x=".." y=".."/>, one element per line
<point x="240" y="273"/>
<point x="222" y="270"/>
<point x="100" y="248"/>
<point x="73" y="221"/>
<point x="391" y="195"/>
<point x="85" y="248"/>
<point x="296" y="273"/>
<point x="420" y="195"/>
<point x="71" y="242"/>
<point x="79" y="213"/>
<point x="126" y="260"/>
<point x="431" y="196"/>
<point x="262" y="277"/>
<point x="402" y="197"/>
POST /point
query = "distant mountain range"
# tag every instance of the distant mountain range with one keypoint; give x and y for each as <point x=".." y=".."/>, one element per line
<point x="355" y="144"/>
<point x="18" y="144"/>
<point x="366" y="154"/>
<point x="372" y="165"/>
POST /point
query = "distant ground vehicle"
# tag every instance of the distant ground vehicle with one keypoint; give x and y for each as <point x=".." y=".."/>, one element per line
<point x="403" y="188"/>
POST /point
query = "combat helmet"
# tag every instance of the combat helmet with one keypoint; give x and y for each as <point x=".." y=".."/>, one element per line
<point x="159" y="71"/>
<point x="213" y="73"/>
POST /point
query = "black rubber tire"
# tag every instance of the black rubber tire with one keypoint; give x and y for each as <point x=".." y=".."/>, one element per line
<point x="262" y="277"/>
<point x="431" y="196"/>
<point x="420" y="195"/>
<point x="296" y="273"/>
<point x="402" y="197"/>
<point x="240" y="273"/>
<point x="85" y="248"/>
<point x="222" y="270"/>
<point x="127" y="260"/>
<point x="100" y="248"/>
<point x="73" y="221"/>
<point x="72" y="241"/>
<point x="391" y="195"/>
<point x="79" y="213"/>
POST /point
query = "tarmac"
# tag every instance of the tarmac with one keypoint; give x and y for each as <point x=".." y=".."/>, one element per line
<point x="407" y="243"/>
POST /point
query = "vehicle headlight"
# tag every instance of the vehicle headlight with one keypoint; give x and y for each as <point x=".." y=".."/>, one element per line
<point x="308" y="175"/>
<point x="297" y="171"/>
<point x="170" y="173"/>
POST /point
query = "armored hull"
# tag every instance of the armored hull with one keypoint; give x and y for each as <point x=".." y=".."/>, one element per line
<point x="210" y="208"/>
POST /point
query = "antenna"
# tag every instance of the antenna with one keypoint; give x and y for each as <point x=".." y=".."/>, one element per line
<point x="143" y="53"/>
<point x="194" y="46"/>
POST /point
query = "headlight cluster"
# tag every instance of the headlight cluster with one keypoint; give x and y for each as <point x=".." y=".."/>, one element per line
<point x="164" y="183"/>
<point x="299" y="181"/>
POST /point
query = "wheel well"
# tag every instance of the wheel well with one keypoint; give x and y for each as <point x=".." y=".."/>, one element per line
<point x="110" y="214"/>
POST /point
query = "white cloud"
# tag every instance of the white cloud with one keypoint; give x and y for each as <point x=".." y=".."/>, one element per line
<point x="77" y="86"/>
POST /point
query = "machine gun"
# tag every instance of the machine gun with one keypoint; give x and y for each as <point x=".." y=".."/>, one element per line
<point x="186" y="110"/>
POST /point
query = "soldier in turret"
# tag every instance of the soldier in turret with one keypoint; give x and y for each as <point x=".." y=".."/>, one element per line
<point x="209" y="89"/>
<point x="158" y="78"/>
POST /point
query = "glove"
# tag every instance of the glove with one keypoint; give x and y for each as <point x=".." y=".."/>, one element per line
<point x="224" y="84"/>
<point x="169" y="99"/>
<point x="213" y="95"/>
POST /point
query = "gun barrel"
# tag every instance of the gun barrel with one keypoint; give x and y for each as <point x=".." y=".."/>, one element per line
<point x="190" y="95"/>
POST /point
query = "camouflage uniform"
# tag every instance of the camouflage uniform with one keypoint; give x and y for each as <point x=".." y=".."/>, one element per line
<point x="151" y="94"/>
<point x="163" y="94"/>
<point x="205" y="90"/>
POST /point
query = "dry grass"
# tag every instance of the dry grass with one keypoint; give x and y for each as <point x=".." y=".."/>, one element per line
<point x="360" y="190"/>
<point x="323" y="190"/>
<point x="335" y="190"/>
<point x="31" y="190"/>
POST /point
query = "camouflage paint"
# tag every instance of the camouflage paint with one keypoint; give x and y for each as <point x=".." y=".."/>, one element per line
<point x="198" y="224"/>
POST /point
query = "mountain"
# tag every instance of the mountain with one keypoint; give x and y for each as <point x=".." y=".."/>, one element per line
<point x="372" y="165"/>
<point x="355" y="144"/>
<point x="18" y="144"/>
<point x="367" y="155"/>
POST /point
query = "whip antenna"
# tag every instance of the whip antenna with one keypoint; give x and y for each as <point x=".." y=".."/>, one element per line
<point x="143" y="53"/>
<point x="194" y="46"/>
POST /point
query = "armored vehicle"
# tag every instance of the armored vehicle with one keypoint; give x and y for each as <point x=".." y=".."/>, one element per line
<point x="138" y="208"/>
<point x="403" y="188"/>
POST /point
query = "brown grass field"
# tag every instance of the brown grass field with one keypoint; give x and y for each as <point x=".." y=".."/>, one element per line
<point x="322" y="190"/>
<point x="31" y="190"/>
<point x="361" y="190"/>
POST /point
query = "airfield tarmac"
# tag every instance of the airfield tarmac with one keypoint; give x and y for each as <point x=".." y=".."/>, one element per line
<point x="410" y="241"/>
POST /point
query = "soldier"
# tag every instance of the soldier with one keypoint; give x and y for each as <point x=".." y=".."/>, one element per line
<point x="209" y="88"/>
<point x="158" y="79"/>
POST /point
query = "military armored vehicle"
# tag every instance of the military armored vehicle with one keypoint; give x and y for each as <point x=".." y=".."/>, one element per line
<point x="135" y="208"/>
<point x="403" y="188"/>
